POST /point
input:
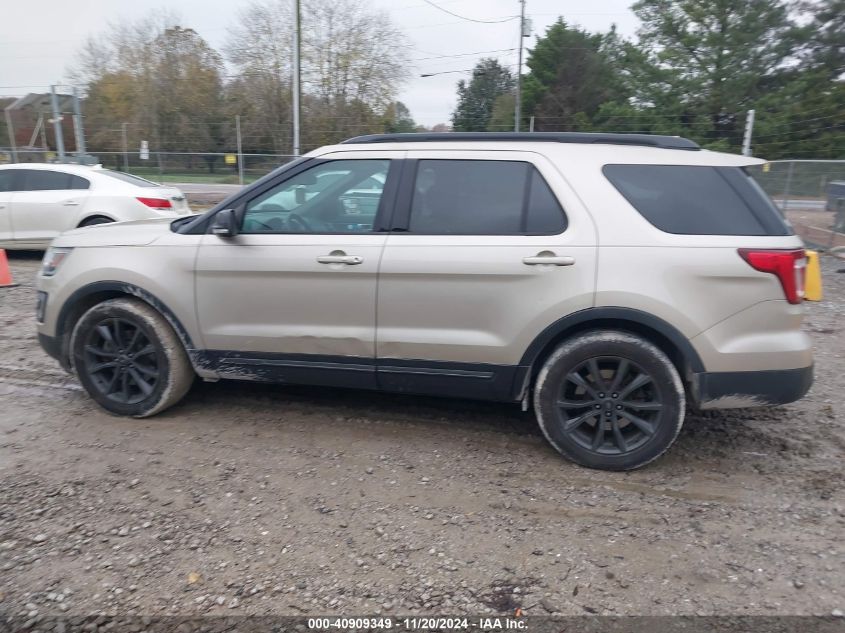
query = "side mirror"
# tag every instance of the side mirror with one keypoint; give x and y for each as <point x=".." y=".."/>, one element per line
<point x="225" y="223"/>
<point x="299" y="194"/>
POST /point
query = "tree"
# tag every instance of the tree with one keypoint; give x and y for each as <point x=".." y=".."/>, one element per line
<point x="352" y="52"/>
<point x="398" y="119"/>
<point x="476" y="99"/>
<point x="162" y="80"/>
<point x="572" y="75"/>
<point x="188" y="86"/>
<point x="821" y="39"/>
<point x="717" y="57"/>
<point x="803" y="119"/>
<point x="353" y="61"/>
<point x="259" y="46"/>
<point x="501" y="118"/>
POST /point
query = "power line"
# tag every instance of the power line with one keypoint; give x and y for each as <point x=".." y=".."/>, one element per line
<point x="514" y="17"/>
<point x="498" y="50"/>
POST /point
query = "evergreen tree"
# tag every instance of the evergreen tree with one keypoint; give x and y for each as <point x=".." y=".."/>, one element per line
<point x="716" y="57"/>
<point x="477" y="98"/>
<point x="572" y="75"/>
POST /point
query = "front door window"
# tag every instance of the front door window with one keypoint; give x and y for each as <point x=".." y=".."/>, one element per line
<point x="339" y="196"/>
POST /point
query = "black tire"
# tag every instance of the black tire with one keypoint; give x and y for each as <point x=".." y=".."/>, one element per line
<point x="129" y="359"/>
<point x="617" y="378"/>
<point x="94" y="220"/>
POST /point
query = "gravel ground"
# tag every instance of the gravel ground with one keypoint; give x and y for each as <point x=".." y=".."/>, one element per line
<point x="251" y="499"/>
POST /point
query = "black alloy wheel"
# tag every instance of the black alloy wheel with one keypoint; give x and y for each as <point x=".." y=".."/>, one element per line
<point x="609" y="399"/>
<point x="121" y="361"/>
<point x="129" y="358"/>
<point x="609" y="405"/>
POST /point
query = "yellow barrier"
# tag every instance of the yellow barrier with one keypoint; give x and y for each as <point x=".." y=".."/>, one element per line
<point x="813" y="285"/>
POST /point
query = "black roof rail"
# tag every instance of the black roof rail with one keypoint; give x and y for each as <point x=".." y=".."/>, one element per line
<point x="647" y="140"/>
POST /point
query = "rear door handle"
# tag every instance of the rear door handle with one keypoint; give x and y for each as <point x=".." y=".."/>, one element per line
<point x="71" y="203"/>
<point x="352" y="260"/>
<point x="554" y="260"/>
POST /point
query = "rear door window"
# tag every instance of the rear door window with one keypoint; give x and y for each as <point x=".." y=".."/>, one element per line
<point x="7" y="177"/>
<point x="698" y="200"/>
<point x="483" y="197"/>
<point x="45" y="180"/>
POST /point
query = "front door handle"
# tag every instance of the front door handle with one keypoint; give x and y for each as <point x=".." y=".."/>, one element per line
<point x="352" y="260"/>
<point x="71" y="203"/>
<point x="551" y="259"/>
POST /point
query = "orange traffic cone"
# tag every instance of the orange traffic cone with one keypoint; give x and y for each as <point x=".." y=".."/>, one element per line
<point x="5" y="272"/>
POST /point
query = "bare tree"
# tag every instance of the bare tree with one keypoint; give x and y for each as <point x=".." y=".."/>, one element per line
<point x="352" y="53"/>
<point x="163" y="81"/>
<point x="353" y="61"/>
<point x="259" y="46"/>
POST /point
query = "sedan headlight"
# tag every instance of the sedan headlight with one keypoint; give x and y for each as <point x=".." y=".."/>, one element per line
<point x="53" y="258"/>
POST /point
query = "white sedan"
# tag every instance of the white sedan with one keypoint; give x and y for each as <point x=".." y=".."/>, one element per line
<point x="39" y="201"/>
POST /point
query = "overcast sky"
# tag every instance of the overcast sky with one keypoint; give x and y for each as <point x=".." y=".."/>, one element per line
<point x="38" y="40"/>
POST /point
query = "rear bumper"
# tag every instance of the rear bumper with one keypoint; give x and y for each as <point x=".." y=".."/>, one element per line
<point x="737" y="389"/>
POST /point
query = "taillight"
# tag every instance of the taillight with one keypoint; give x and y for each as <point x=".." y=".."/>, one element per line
<point x="156" y="203"/>
<point x="790" y="267"/>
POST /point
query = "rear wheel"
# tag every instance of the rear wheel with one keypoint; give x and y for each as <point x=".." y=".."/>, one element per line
<point x="609" y="400"/>
<point x="97" y="219"/>
<point x="129" y="359"/>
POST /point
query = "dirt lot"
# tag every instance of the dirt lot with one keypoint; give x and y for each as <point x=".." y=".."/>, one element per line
<point x="250" y="499"/>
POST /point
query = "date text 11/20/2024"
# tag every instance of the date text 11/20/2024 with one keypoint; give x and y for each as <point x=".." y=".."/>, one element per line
<point x="417" y="623"/>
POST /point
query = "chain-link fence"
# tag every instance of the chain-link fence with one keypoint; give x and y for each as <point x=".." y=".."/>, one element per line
<point x="811" y="194"/>
<point x="174" y="167"/>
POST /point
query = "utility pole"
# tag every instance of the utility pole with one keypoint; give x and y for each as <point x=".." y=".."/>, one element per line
<point x="296" y="63"/>
<point x="240" y="150"/>
<point x="125" y="147"/>
<point x="57" y="124"/>
<point x="746" y="138"/>
<point x="517" y="112"/>
<point x="78" y="129"/>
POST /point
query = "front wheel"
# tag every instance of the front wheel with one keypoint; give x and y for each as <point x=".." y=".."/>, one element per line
<point x="609" y="400"/>
<point x="129" y="359"/>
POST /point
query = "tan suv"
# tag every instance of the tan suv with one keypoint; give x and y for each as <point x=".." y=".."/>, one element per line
<point x="605" y="279"/>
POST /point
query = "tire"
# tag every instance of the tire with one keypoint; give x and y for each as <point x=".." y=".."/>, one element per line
<point x="129" y="359"/>
<point x="93" y="221"/>
<point x="592" y="377"/>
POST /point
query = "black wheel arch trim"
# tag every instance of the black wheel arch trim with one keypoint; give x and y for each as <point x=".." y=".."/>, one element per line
<point x="618" y="314"/>
<point x="126" y="289"/>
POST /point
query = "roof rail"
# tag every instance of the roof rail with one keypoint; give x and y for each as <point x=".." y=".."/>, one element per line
<point x="647" y="140"/>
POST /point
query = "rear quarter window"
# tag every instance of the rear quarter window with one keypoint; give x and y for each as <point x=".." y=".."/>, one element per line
<point x="78" y="182"/>
<point x="698" y="200"/>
